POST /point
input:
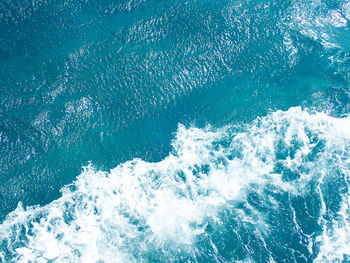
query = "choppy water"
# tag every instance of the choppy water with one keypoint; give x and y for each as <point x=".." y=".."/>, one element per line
<point x="174" y="131"/>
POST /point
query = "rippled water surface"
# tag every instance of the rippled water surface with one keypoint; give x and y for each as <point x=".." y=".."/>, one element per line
<point x="174" y="131"/>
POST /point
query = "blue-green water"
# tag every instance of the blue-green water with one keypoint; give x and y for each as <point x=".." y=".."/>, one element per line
<point x="174" y="131"/>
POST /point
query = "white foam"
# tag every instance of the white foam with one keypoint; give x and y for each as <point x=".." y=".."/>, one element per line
<point x="139" y="207"/>
<point x="315" y="20"/>
<point x="335" y="238"/>
<point x="346" y="9"/>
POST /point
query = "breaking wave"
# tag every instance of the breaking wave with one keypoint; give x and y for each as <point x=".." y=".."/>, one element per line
<point x="274" y="189"/>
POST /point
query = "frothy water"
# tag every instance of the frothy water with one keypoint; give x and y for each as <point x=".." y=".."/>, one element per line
<point x="320" y="21"/>
<point x="274" y="189"/>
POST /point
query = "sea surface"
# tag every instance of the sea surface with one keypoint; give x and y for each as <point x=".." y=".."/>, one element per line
<point x="174" y="131"/>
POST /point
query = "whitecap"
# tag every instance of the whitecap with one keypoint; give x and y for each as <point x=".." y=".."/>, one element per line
<point x="143" y="210"/>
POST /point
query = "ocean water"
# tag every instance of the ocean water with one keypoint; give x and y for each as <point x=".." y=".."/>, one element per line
<point x="175" y="131"/>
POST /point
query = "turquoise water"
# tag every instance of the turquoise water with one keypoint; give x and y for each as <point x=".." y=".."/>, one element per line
<point x="174" y="131"/>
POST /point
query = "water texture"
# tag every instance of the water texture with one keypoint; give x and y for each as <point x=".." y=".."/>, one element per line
<point x="174" y="131"/>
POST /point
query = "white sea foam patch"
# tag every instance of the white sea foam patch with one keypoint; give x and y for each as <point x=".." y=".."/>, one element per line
<point x="140" y="208"/>
<point x="317" y="21"/>
<point x="335" y="240"/>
